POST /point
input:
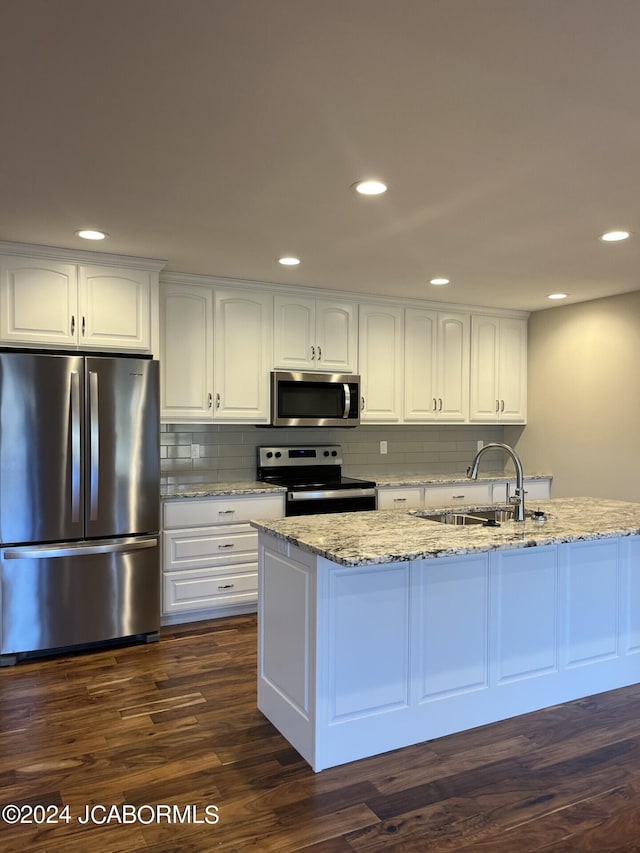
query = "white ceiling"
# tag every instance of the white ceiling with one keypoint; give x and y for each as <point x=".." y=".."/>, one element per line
<point x="221" y="134"/>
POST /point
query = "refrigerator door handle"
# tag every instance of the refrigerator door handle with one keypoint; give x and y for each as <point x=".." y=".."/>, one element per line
<point x="94" y="437"/>
<point x="75" y="445"/>
<point x="45" y="552"/>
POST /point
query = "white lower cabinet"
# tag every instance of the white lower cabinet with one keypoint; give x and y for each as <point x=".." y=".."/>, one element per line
<point x="400" y="498"/>
<point x="210" y="554"/>
<point x="464" y="493"/>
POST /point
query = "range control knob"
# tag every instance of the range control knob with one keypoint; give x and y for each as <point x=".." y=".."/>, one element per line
<point x="326" y="453"/>
<point x="278" y="454"/>
<point x="269" y="454"/>
<point x="334" y="452"/>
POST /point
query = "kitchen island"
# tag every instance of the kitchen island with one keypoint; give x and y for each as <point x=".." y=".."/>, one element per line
<point x="383" y="629"/>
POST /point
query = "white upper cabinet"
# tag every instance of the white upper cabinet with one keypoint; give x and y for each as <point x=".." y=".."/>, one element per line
<point x="114" y="307"/>
<point x="243" y="342"/>
<point x="186" y="352"/>
<point x="436" y="366"/>
<point x="46" y="302"/>
<point x="380" y="359"/>
<point x="315" y="334"/>
<point x="498" y="370"/>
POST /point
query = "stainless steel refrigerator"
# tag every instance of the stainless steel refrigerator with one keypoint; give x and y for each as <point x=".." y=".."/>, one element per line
<point x="79" y="500"/>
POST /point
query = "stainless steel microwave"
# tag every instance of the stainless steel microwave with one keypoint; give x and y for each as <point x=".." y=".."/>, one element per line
<point x="315" y="399"/>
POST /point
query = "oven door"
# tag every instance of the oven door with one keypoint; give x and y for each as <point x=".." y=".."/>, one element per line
<point x="338" y="500"/>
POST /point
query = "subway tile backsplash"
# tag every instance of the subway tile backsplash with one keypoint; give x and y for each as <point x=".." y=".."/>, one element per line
<point x="227" y="453"/>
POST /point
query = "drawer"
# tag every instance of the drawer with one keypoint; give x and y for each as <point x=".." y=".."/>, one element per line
<point x="200" y="590"/>
<point x="464" y="493"/>
<point x="404" y="498"/>
<point x="194" y="512"/>
<point x="209" y="546"/>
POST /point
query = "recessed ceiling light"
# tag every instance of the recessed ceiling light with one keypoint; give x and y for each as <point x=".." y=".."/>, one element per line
<point x="91" y="234"/>
<point x="615" y="236"/>
<point x="289" y="261"/>
<point x="439" y="281"/>
<point x="370" y="187"/>
<point x="557" y="295"/>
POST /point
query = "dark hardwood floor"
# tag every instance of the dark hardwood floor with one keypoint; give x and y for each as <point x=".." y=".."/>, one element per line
<point x="176" y="724"/>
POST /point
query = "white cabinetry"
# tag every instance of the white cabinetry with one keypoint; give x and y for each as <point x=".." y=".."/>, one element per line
<point x="315" y="334"/>
<point x="48" y="302"/>
<point x="436" y="366"/>
<point x="210" y="553"/>
<point x="498" y="370"/>
<point x="403" y="497"/>
<point x="465" y="493"/>
<point x="380" y="360"/>
<point x="215" y="353"/>
<point x="242" y="355"/>
<point x="186" y="352"/>
<point x="534" y="490"/>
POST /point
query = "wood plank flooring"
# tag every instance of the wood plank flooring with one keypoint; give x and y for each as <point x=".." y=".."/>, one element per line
<point x="175" y="724"/>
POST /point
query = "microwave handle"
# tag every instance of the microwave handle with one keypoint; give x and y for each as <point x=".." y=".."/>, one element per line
<point x="347" y="400"/>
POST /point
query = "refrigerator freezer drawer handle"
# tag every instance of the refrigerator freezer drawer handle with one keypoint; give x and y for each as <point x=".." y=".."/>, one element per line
<point x="95" y="445"/>
<point x="45" y="552"/>
<point x="75" y="446"/>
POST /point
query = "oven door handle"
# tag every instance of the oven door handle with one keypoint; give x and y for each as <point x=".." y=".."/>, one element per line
<point x="331" y="493"/>
<point x="347" y="399"/>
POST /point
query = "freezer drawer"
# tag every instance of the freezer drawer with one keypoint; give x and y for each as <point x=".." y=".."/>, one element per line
<point x="72" y="594"/>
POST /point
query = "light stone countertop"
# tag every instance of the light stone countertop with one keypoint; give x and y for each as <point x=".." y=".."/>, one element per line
<point x="390" y="536"/>
<point x="209" y="490"/>
<point x="452" y="479"/>
<point x="255" y="487"/>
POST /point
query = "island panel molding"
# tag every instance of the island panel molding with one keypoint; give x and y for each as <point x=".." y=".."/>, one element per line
<point x="385" y="650"/>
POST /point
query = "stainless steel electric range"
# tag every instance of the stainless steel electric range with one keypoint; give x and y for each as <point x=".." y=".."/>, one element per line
<point x="312" y="475"/>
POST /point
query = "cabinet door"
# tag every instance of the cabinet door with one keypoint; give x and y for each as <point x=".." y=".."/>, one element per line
<point x="420" y="355"/>
<point x="114" y="308"/>
<point x="380" y="359"/>
<point x="39" y="303"/>
<point x="453" y="367"/>
<point x="336" y="332"/>
<point x="294" y="333"/>
<point x="512" y="370"/>
<point x="485" y="344"/>
<point x="242" y="355"/>
<point x="186" y="353"/>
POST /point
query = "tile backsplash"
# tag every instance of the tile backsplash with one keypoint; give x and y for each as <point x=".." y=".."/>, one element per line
<point x="208" y="453"/>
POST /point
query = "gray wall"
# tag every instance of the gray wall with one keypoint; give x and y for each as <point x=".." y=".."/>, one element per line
<point x="584" y="398"/>
<point x="228" y="453"/>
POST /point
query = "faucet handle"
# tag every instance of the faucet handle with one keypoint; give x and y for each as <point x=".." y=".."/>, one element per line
<point x="516" y="500"/>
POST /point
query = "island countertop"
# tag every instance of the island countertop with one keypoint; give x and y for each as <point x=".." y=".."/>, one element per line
<point x="391" y="536"/>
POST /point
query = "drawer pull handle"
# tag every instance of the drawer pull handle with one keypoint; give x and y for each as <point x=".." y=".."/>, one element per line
<point x="227" y="545"/>
<point x="226" y="511"/>
<point x="399" y="500"/>
<point x="457" y="497"/>
<point x="226" y="585"/>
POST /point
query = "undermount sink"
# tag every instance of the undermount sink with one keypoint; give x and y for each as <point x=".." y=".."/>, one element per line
<point x="486" y="518"/>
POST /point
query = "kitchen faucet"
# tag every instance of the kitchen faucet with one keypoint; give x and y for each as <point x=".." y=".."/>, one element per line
<point x="518" y="499"/>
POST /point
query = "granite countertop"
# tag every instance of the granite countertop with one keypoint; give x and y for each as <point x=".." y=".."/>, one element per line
<point x="444" y="479"/>
<point x="255" y="487"/>
<point x="209" y="490"/>
<point x="390" y="536"/>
